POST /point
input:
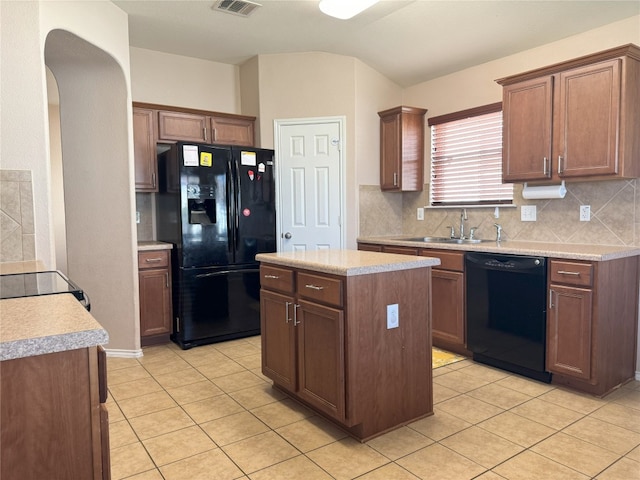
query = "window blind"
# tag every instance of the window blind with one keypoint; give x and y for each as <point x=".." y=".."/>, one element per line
<point x="466" y="161"/>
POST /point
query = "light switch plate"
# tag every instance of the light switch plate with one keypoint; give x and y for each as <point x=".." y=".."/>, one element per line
<point x="528" y="213"/>
<point x="420" y="213"/>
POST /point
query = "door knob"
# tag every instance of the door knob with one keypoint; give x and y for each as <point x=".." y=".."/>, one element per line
<point x="287" y="235"/>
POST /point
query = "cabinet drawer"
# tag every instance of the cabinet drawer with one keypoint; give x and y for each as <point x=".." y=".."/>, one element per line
<point x="448" y="260"/>
<point x="320" y="288"/>
<point x="572" y="273"/>
<point x="275" y="278"/>
<point x="153" y="259"/>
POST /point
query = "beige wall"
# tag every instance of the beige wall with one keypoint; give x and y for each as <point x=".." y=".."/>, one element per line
<point x="187" y="82"/>
<point x="86" y="47"/>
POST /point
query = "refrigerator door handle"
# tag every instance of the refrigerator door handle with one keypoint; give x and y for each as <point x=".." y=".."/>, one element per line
<point x="238" y="204"/>
<point x="227" y="272"/>
<point x="231" y="213"/>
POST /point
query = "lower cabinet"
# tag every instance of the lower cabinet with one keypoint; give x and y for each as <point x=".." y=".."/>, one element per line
<point x="154" y="278"/>
<point x="53" y="418"/>
<point x="448" y="291"/>
<point x="592" y="323"/>
<point x="326" y="343"/>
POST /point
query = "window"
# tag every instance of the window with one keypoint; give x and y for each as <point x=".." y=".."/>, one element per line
<point x="466" y="158"/>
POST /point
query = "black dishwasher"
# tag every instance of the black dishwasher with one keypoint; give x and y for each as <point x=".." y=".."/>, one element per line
<point x="506" y="312"/>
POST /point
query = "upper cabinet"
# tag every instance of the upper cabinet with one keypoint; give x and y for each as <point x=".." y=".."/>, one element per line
<point x="214" y="128"/>
<point x="402" y="149"/>
<point x="144" y="150"/>
<point x="574" y="120"/>
<point x="158" y="123"/>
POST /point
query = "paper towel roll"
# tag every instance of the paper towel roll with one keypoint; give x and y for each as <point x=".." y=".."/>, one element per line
<point x="544" y="191"/>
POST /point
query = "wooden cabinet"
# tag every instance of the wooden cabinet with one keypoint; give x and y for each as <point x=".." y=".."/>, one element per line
<point x="53" y="418"/>
<point x="592" y="323"/>
<point x="204" y="128"/>
<point x="144" y="150"/>
<point x="402" y="149"/>
<point x="574" y="120"/>
<point x="326" y="343"/>
<point x="154" y="277"/>
<point x="448" y="290"/>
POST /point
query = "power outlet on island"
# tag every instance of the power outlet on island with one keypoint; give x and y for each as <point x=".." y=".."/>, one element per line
<point x="392" y="316"/>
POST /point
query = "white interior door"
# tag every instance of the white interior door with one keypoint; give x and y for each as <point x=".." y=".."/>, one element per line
<point x="309" y="162"/>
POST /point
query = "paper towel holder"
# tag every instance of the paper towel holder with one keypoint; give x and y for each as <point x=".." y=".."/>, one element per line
<point x="544" y="191"/>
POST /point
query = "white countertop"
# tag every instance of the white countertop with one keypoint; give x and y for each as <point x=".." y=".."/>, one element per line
<point x="154" y="245"/>
<point x="542" y="249"/>
<point x="346" y="262"/>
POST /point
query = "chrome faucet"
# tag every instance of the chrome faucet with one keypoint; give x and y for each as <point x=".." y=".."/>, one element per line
<point x="498" y="231"/>
<point x="463" y="217"/>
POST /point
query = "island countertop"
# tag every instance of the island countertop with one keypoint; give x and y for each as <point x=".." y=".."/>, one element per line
<point x="46" y="324"/>
<point x="346" y="262"/>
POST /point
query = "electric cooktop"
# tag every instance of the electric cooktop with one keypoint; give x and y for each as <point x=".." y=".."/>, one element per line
<point x="32" y="284"/>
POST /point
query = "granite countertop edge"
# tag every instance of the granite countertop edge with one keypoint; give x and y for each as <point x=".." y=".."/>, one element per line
<point x="542" y="249"/>
<point x="30" y="347"/>
<point x="385" y="263"/>
<point x="153" y="245"/>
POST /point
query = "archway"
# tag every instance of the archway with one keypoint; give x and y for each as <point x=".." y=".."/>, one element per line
<point x="97" y="177"/>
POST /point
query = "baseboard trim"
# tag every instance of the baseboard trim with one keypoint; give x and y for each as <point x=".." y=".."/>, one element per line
<point x="114" y="352"/>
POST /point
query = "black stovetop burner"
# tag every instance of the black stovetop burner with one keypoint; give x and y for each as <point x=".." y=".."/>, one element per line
<point x="16" y="285"/>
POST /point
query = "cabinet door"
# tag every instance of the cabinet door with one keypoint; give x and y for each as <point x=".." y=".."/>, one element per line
<point x="155" y="302"/>
<point x="321" y="362"/>
<point x="589" y="116"/>
<point x="188" y="127"/>
<point x="278" y="339"/>
<point x="144" y="150"/>
<point x="447" y="291"/>
<point x="232" y="131"/>
<point x="527" y="123"/>
<point x="569" y="331"/>
<point x="390" y="152"/>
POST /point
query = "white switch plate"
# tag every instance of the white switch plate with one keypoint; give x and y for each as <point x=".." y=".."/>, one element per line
<point x="420" y="213"/>
<point x="528" y="213"/>
<point x="137" y="217"/>
<point x="392" y="316"/>
<point x="585" y="213"/>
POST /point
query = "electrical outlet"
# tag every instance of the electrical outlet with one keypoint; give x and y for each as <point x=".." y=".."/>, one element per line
<point x="528" y="213"/>
<point x="585" y="213"/>
<point x="392" y="316"/>
<point x="420" y="213"/>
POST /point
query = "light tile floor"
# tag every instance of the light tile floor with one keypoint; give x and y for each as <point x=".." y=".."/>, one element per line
<point x="208" y="413"/>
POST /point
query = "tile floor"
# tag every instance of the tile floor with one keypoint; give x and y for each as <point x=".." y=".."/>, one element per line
<point x="208" y="413"/>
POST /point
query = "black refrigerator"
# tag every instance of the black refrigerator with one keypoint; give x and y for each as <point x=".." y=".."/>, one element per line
<point x="216" y="205"/>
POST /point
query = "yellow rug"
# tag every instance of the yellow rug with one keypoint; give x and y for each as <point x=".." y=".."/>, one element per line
<point x="440" y="358"/>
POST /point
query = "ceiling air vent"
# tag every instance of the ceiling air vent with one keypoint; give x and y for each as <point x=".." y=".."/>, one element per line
<point x="243" y="8"/>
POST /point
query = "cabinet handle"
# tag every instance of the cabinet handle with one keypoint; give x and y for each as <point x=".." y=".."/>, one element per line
<point x="296" y="322"/>
<point x="152" y="260"/>
<point x="275" y="277"/>
<point x="545" y="170"/>
<point x="204" y="131"/>
<point x="395" y="179"/>
<point x="314" y="287"/>
<point x="550" y="299"/>
<point x="166" y="279"/>
<point x="214" y="134"/>
<point x="287" y="317"/>
<point x="153" y="180"/>
<point x="560" y="165"/>
<point x="564" y="272"/>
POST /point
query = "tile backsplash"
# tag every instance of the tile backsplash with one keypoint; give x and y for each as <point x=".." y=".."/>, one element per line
<point x="17" y="232"/>
<point x="144" y="207"/>
<point x="615" y="215"/>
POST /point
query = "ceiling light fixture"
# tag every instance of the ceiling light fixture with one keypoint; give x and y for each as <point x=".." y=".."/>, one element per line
<point x="344" y="9"/>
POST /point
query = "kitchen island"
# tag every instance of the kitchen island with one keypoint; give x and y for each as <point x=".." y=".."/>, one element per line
<point x="348" y="334"/>
<point x="53" y="419"/>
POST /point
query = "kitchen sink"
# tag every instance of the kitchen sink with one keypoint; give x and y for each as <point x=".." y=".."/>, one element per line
<point x="443" y="240"/>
